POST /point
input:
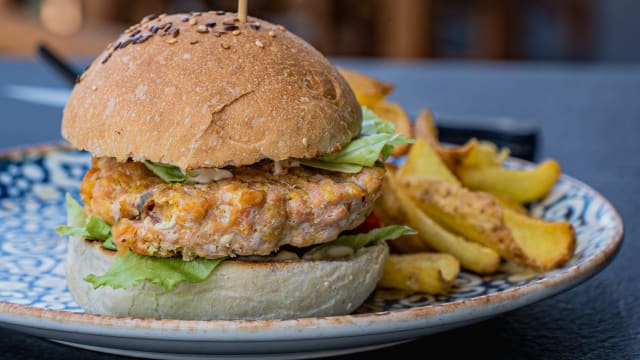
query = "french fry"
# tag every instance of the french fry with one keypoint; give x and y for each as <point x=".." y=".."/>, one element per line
<point x="423" y="160"/>
<point x="472" y="256"/>
<point x="522" y="185"/>
<point x="475" y="215"/>
<point x="432" y="273"/>
<point x="392" y="111"/>
<point x="548" y="244"/>
<point x="368" y="90"/>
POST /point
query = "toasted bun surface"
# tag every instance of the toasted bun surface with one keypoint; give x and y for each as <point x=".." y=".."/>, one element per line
<point x="235" y="289"/>
<point x="203" y="96"/>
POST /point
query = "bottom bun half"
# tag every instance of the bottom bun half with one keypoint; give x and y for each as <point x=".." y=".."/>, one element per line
<point x="235" y="289"/>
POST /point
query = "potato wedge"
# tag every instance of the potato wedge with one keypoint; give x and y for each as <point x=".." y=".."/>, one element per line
<point x="390" y="213"/>
<point x="475" y="215"/>
<point x="424" y="127"/>
<point x="508" y="202"/>
<point x="432" y="273"/>
<point x="485" y="153"/>
<point x="472" y="256"/>
<point x="547" y="244"/>
<point x="392" y="111"/>
<point x="522" y="185"/>
<point x="452" y="155"/>
<point x="368" y="90"/>
<point x="422" y="160"/>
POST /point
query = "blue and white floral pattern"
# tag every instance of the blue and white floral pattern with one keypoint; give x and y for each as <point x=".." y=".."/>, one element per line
<point x="32" y="255"/>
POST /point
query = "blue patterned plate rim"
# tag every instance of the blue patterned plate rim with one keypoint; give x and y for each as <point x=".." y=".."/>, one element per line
<point x="599" y="238"/>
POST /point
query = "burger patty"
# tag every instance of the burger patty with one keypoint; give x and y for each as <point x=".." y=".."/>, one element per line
<point x="253" y="213"/>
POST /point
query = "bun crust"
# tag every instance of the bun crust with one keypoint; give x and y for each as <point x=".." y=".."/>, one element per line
<point x="205" y="100"/>
<point x="235" y="290"/>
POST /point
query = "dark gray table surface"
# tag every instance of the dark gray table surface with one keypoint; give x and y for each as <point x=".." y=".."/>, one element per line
<point x="589" y="117"/>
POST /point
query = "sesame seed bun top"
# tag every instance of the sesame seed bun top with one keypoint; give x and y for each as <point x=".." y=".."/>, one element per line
<point x="205" y="90"/>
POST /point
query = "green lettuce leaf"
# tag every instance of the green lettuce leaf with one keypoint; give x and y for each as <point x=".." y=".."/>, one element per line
<point x="372" y="124"/>
<point x="361" y="240"/>
<point x="168" y="173"/>
<point x="131" y="269"/>
<point x="376" y="142"/>
<point x="94" y="227"/>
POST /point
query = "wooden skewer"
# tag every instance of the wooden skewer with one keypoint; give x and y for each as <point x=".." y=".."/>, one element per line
<point x="242" y="10"/>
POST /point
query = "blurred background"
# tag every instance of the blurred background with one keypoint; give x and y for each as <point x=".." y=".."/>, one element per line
<point x="538" y="30"/>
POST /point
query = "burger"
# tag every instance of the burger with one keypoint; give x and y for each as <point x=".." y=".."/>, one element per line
<point x="233" y="176"/>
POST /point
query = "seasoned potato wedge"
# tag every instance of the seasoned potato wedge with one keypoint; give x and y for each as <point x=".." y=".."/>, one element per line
<point x="485" y="153"/>
<point x="472" y="256"/>
<point x="510" y="203"/>
<point x="389" y="211"/>
<point x="452" y="155"/>
<point x="392" y="111"/>
<point x="432" y="273"/>
<point x="522" y="185"/>
<point x="368" y="90"/>
<point x="424" y="127"/>
<point x="475" y="215"/>
<point x="547" y="244"/>
<point x="423" y="161"/>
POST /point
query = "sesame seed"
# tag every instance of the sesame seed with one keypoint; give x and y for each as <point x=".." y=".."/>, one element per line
<point x="184" y="19"/>
<point x="196" y="13"/>
<point x="281" y="28"/>
<point x="230" y="27"/>
<point x="255" y="26"/>
<point x="193" y="21"/>
<point x="225" y="46"/>
<point x="172" y="41"/>
<point x="210" y="24"/>
<point x="202" y="29"/>
<point x="125" y="43"/>
<point x="236" y="32"/>
<point x="227" y="22"/>
<point x="135" y="33"/>
<point x="94" y="88"/>
<point x="272" y="34"/>
<point x="259" y="43"/>
<point x="106" y="58"/>
<point x="142" y="38"/>
<point x="193" y="42"/>
<point x="175" y="32"/>
<point x="304" y="141"/>
<point x="154" y="28"/>
<point x="220" y="12"/>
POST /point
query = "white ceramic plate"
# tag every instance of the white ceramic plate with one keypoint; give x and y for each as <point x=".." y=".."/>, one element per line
<point x="34" y="298"/>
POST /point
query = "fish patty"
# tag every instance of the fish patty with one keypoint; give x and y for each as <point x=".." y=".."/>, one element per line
<point x="253" y="213"/>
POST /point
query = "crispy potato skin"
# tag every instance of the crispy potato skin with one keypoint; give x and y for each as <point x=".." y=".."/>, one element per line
<point x="253" y="213"/>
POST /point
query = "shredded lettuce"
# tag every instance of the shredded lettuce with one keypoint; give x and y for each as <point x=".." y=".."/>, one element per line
<point x="376" y="142"/>
<point x="94" y="227"/>
<point x="357" y="241"/>
<point x="131" y="269"/>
